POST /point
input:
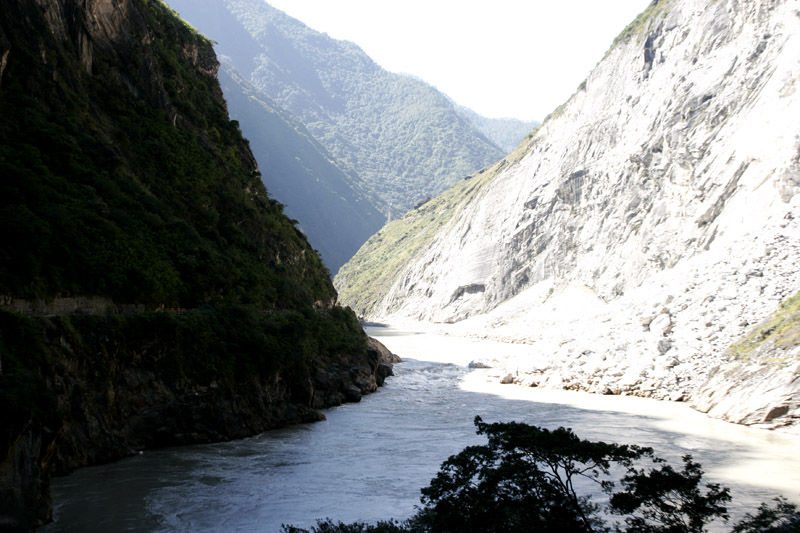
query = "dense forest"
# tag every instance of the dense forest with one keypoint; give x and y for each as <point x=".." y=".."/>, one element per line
<point x="130" y="181"/>
<point x="330" y="202"/>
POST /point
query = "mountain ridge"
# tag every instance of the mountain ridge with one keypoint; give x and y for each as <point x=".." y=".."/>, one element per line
<point x="505" y="132"/>
<point x="330" y="202"/>
<point x="401" y="135"/>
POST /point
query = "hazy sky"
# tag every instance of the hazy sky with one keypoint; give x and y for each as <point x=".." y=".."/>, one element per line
<point x="501" y="58"/>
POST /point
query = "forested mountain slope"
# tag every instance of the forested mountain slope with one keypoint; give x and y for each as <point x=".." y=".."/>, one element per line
<point x="330" y="202"/>
<point x="403" y="137"/>
<point x="124" y="176"/>
<point x="504" y="132"/>
<point x="645" y="227"/>
<point x="126" y="190"/>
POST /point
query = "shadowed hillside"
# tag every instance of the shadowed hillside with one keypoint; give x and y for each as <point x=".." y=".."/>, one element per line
<point x="403" y="137"/>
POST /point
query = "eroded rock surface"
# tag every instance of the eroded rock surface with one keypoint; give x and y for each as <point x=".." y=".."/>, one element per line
<point x="650" y="221"/>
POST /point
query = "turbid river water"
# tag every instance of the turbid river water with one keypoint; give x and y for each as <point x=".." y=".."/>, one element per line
<point x="367" y="461"/>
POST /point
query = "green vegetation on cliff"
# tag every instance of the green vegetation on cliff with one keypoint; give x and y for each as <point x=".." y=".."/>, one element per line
<point x="369" y="274"/>
<point x="226" y="344"/>
<point x="504" y="132"/>
<point x="124" y="177"/>
<point x="124" y="180"/>
<point x="329" y="200"/>
<point x="639" y="24"/>
<point x="781" y="330"/>
<point x="101" y="387"/>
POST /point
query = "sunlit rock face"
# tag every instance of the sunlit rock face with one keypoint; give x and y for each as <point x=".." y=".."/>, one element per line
<point x="664" y="191"/>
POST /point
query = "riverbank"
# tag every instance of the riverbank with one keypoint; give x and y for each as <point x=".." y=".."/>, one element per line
<point x="85" y="390"/>
<point x="730" y="453"/>
<point x="632" y="346"/>
<point x="381" y="451"/>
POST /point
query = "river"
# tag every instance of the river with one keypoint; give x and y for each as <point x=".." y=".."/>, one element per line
<point x="367" y="461"/>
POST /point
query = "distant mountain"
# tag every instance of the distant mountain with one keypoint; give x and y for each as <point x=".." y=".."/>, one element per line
<point x="335" y="209"/>
<point x="639" y="236"/>
<point x="404" y="138"/>
<point x="504" y="132"/>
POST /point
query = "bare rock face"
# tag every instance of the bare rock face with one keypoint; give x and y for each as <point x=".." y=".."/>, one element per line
<point x="664" y="191"/>
<point x="759" y="383"/>
<point x="760" y="393"/>
<point x="682" y="136"/>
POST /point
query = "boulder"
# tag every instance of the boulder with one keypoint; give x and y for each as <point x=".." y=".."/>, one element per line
<point x="352" y="394"/>
<point x="384" y="354"/>
<point x="384" y="370"/>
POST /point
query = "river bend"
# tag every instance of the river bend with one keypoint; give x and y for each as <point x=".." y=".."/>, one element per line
<point x="367" y="461"/>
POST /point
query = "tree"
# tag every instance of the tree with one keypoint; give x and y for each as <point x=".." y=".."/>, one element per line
<point x="523" y="479"/>
<point x="782" y="518"/>
<point x="527" y="478"/>
<point x="328" y="526"/>
<point x="669" y="501"/>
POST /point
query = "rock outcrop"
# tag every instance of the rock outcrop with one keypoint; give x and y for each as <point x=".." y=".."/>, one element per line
<point x="646" y="225"/>
<point x="110" y="391"/>
<point x="115" y="396"/>
<point x="25" y="499"/>
<point x="759" y="382"/>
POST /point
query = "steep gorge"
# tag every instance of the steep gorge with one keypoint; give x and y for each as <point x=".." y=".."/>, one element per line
<point x="191" y="308"/>
<point x="648" y="224"/>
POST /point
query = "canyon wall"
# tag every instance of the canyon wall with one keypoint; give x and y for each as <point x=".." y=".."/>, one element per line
<point x="645" y="227"/>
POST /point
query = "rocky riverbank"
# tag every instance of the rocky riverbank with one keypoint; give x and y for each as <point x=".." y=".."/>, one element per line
<point x="674" y="337"/>
<point x="109" y="395"/>
<point x="677" y="337"/>
<point x="700" y="332"/>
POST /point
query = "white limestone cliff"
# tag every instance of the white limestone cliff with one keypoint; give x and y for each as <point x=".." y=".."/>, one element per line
<point x="653" y="220"/>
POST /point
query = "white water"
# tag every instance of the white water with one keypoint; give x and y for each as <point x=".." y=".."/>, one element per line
<point x="369" y="460"/>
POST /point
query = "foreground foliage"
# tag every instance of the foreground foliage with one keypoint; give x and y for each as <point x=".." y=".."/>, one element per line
<point x="528" y="478"/>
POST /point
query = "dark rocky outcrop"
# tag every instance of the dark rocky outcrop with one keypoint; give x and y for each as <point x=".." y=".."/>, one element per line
<point x="25" y="479"/>
<point x="114" y="394"/>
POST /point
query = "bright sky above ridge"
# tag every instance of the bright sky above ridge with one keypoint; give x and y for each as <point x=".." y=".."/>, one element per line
<point x="501" y="58"/>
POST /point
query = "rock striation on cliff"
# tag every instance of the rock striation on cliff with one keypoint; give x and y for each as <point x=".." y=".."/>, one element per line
<point x="646" y="226"/>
